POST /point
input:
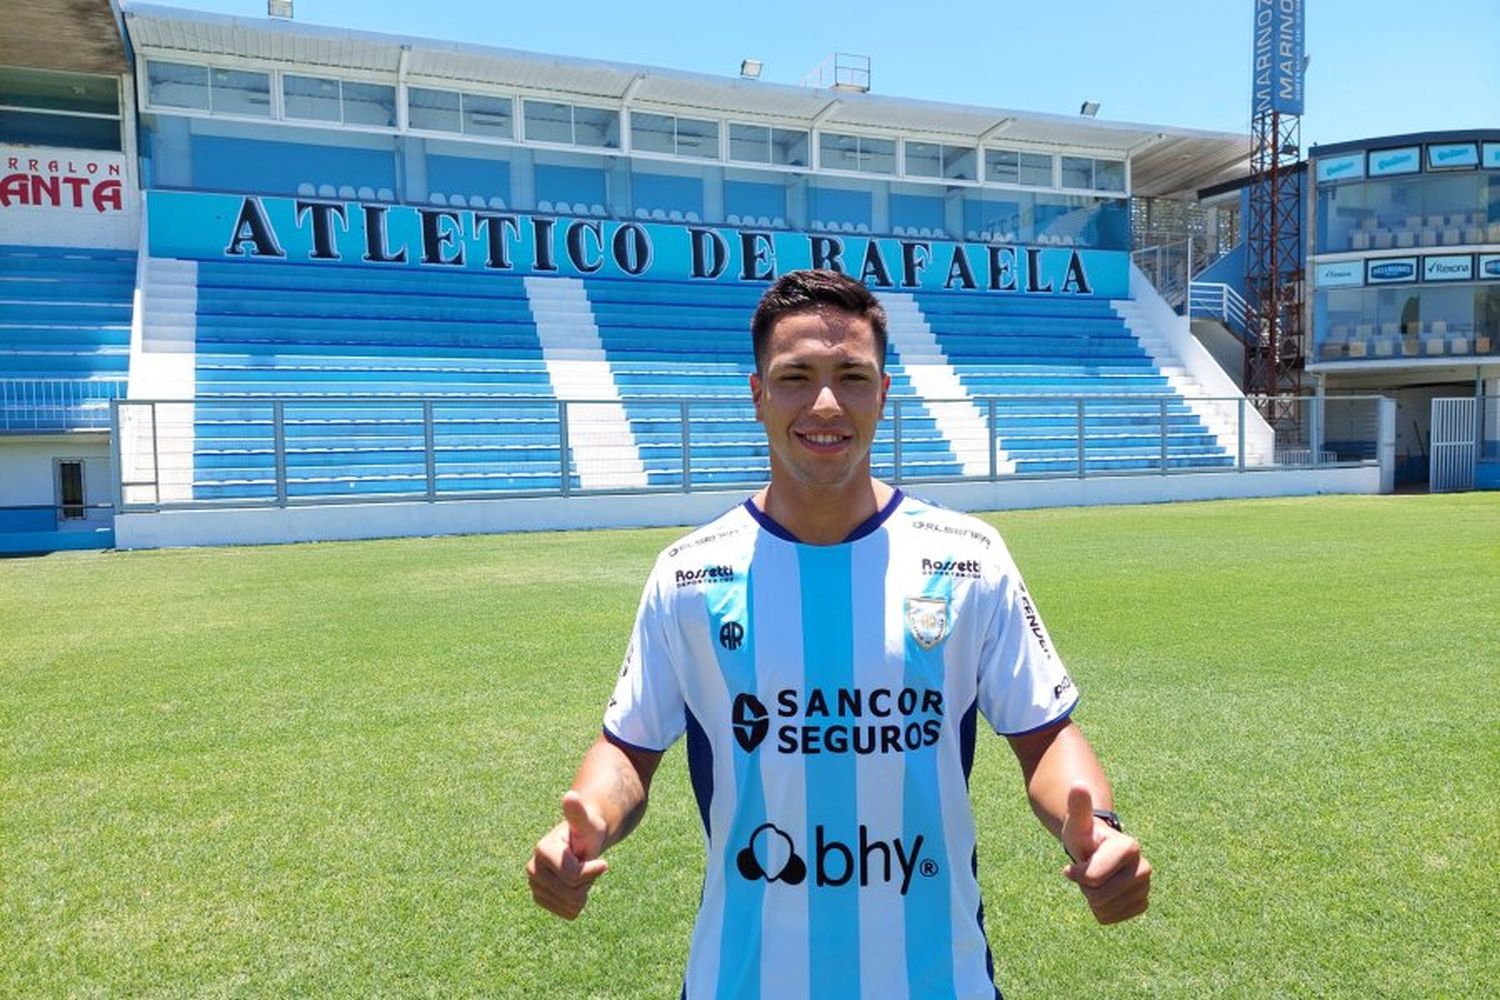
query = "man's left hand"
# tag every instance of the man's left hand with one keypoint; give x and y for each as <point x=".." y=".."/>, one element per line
<point x="1107" y="864"/>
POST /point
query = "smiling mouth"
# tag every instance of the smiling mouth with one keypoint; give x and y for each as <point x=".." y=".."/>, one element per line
<point x="823" y="440"/>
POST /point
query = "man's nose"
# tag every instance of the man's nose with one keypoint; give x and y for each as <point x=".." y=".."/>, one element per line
<point x="826" y="403"/>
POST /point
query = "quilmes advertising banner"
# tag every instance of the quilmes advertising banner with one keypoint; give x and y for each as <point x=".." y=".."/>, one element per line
<point x="1341" y="168"/>
<point x="1384" y="162"/>
<point x="1277" y="66"/>
<point x="200" y="226"/>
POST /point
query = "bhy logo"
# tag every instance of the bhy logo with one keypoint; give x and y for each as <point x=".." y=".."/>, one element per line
<point x="772" y="855"/>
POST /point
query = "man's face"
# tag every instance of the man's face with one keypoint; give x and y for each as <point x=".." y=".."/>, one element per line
<point x="820" y="397"/>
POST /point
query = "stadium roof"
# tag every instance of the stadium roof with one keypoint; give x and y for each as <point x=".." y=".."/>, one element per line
<point x="1165" y="161"/>
<point x="77" y="36"/>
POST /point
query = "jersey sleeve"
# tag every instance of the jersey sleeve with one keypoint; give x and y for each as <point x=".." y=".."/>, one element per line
<point x="1023" y="684"/>
<point x="647" y="711"/>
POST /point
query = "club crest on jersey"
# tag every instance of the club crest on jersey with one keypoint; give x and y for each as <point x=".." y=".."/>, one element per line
<point x="927" y="620"/>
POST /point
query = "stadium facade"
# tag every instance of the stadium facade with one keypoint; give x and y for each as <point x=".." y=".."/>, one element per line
<point x="265" y="281"/>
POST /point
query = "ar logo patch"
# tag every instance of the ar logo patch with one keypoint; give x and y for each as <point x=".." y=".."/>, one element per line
<point x="927" y="620"/>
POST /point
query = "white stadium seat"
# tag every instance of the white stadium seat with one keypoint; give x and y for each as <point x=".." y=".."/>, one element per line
<point x="690" y="216"/>
<point x="366" y="194"/>
<point x="659" y="214"/>
<point x="641" y="213"/>
<point x="346" y="191"/>
<point x="306" y="190"/>
<point x="675" y="215"/>
<point x="327" y="191"/>
<point x="779" y="222"/>
<point x="732" y="219"/>
<point x="544" y="206"/>
<point x="598" y="210"/>
<point x="385" y="194"/>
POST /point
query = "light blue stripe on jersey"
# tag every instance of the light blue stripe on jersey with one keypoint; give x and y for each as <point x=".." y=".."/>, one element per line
<point x="740" y="940"/>
<point x="929" y="928"/>
<point x="832" y="778"/>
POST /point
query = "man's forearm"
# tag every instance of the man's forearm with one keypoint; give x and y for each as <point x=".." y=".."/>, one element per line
<point x="1052" y="763"/>
<point x="615" y="783"/>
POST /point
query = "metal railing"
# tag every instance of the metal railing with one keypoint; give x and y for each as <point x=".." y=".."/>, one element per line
<point x="260" y="451"/>
<point x="57" y="404"/>
<point x="1219" y="301"/>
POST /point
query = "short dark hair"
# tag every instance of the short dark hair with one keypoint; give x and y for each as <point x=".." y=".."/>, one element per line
<point x="807" y="291"/>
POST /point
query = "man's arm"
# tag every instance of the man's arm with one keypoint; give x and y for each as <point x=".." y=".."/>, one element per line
<point x="1065" y="784"/>
<point x="607" y="800"/>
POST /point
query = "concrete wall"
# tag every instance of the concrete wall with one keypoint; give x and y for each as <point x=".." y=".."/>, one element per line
<point x="256" y="526"/>
<point x="28" y="477"/>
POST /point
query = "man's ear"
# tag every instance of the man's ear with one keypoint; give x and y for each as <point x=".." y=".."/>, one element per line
<point x="755" y="387"/>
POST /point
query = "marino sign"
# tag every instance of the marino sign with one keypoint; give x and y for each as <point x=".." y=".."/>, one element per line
<point x="254" y="228"/>
<point x="1277" y="83"/>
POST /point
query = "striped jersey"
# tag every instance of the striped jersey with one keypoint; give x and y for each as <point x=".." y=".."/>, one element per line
<point x="830" y="695"/>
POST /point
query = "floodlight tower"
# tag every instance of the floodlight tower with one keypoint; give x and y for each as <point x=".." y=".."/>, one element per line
<point x="1274" y="355"/>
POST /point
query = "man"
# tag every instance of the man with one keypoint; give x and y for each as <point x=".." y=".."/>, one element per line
<point x="826" y="647"/>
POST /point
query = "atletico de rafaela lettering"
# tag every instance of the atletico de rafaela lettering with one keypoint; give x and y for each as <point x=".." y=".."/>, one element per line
<point x="448" y="237"/>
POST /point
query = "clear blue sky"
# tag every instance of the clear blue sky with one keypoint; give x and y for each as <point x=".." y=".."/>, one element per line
<point x="1379" y="67"/>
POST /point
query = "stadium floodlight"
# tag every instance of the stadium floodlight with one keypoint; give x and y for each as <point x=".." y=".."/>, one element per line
<point x="750" y="68"/>
<point x="1089" y="109"/>
<point x="279" y="8"/>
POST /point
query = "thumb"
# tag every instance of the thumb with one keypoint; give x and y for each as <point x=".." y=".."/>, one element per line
<point x="585" y="828"/>
<point x="1078" y="825"/>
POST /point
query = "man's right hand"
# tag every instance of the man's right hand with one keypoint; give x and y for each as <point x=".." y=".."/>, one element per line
<point x="565" y="862"/>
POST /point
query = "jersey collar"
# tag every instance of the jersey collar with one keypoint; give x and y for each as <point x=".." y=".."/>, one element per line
<point x="866" y="527"/>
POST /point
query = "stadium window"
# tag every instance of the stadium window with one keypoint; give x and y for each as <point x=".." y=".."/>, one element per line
<point x="1036" y="169"/>
<point x="237" y="92"/>
<point x="596" y="127"/>
<point x="1077" y="172"/>
<point x="749" y="143"/>
<point x="39" y="107"/>
<point x="312" y="98"/>
<point x="488" y="116"/>
<point x="698" y="137"/>
<point x="789" y="147"/>
<point x="959" y="163"/>
<point x="1109" y="175"/>
<point x="434" y="110"/>
<point x="548" y="121"/>
<point x="861" y="154"/>
<point x="652" y="133"/>
<point x="176" y="85"/>
<point x="70" y="499"/>
<point x="924" y="159"/>
<point x="370" y="104"/>
<point x="1001" y="166"/>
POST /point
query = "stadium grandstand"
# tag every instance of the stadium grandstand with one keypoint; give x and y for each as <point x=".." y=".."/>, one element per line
<point x="264" y="281"/>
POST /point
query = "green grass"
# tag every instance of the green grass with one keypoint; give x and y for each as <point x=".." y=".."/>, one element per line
<point x="317" y="770"/>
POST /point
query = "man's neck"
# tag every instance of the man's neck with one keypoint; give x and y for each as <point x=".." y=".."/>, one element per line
<point x="822" y="515"/>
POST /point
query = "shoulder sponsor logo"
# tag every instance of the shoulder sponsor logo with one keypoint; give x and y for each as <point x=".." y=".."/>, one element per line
<point x="950" y="529"/>
<point x="962" y="569"/>
<point x="927" y="620"/>
<point x="707" y="574"/>
<point x="1066" y="684"/>
<point x="840" y="720"/>
<point x="693" y="541"/>
<point x="1034" y="622"/>
<point x="862" y="860"/>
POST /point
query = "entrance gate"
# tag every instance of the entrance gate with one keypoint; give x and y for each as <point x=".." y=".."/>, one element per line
<point x="1455" y="445"/>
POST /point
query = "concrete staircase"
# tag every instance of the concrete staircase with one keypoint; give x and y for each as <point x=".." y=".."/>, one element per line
<point x="605" y="455"/>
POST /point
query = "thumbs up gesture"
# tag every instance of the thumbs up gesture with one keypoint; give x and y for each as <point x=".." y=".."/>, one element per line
<point x="565" y="862"/>
<point x="1107" y="864"/>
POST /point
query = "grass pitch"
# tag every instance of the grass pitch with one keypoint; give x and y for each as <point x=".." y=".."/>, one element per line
<point x="317" y="770"/>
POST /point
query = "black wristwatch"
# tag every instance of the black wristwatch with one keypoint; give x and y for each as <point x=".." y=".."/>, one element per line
<point x="1111" y="818"/>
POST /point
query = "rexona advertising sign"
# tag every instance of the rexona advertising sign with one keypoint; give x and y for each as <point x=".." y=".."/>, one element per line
<point x="65" y="197"/>
<point x="1448" y="267"/>
<point x="1341" y="274"/>
<point x="272" y="230"/>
